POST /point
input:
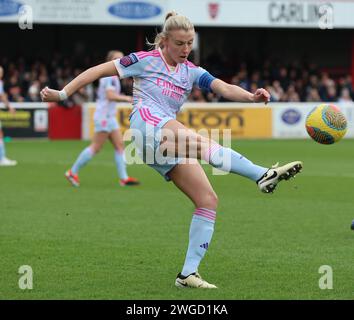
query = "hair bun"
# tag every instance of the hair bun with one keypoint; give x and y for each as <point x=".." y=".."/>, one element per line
<point x="170" y="14"/>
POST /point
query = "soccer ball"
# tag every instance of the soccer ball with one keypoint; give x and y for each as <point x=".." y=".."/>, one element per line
<point x="326" y="124"/>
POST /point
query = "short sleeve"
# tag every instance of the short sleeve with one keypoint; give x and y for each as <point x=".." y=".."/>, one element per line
<point x="1" y="88"/>
<point x="129" y="66"/>
<point x="202" y="78"/>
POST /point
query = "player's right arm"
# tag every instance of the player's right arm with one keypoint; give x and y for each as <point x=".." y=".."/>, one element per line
<point x="111" y="95"/>
<point x="90" y="75"/>
<point x="128" y="66"/>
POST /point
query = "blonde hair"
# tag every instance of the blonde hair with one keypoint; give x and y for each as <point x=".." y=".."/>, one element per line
<point x="172" y="22"/>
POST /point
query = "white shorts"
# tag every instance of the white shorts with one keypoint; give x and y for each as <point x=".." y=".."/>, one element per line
<point x="106" y="124"/>
<point x="148" y="127"/>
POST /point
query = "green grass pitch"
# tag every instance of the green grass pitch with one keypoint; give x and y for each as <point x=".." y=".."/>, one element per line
<point x="102" y="241"/>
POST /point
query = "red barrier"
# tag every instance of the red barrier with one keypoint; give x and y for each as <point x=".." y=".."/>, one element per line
<point x="64" y="123"/>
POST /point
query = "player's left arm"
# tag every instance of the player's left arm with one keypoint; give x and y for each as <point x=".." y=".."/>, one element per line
<point x="236" y="93"/>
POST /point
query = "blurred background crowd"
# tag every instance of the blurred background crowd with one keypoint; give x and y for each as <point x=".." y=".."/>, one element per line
<point x="294" y="82"/>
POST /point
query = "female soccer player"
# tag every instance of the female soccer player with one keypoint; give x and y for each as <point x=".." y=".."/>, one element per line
<point x="4" y="161"/>
<point x="106" y="126"/>
<point x="163" y="78"/>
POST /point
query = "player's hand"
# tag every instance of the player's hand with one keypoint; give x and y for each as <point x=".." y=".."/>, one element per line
<point x="12" y="110"/>
<point x="9" y="108"/>
<point x="261" y="95"/>
<point x="49" y="95"/>
<point x="129" y="99"/>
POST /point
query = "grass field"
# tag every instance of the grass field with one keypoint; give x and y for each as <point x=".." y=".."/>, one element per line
<point x="102" y="241"/>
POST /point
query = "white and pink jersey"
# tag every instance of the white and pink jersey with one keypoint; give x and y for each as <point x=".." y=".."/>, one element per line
<point x="157" y="87"/>
<point x="104" y="107"/>
<point x="1" y="87"/>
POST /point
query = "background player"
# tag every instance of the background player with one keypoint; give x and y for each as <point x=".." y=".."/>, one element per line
<point x="106" y="127"/>
<point x="4" y="161"/>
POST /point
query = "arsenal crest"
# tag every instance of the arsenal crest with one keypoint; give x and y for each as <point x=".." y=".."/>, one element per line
<point x="213" y="9"/>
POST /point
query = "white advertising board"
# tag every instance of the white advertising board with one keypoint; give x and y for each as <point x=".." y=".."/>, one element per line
<point x="233" y="13"/>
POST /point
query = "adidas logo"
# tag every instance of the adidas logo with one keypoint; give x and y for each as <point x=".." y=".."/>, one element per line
<point x="205" y="245"/>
